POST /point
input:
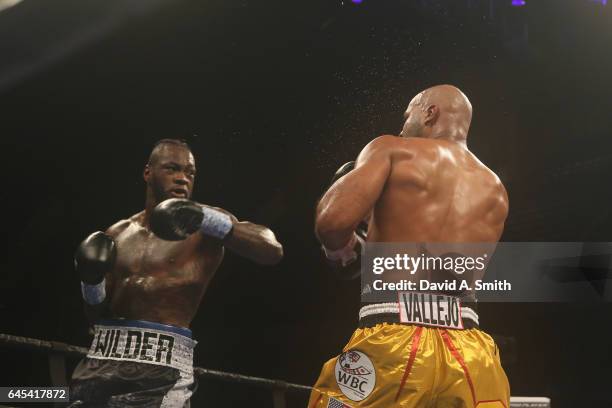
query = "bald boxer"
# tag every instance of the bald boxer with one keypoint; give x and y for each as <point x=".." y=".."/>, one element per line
<point x="143" y="291"/>
<point x="424" y="186"/>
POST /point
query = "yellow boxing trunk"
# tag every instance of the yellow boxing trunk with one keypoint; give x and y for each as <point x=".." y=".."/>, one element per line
<point x="404" y="365"/>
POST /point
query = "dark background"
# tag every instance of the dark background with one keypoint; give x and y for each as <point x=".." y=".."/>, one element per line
<point x="280" y="94"/>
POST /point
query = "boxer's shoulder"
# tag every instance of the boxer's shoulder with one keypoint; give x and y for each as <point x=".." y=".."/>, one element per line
<point x="384" y="142"/>
<point x="123" y="224"/>
<point x="395" y="144"/>
<point x="487" y="173"/>
<point x="417" y="152"/>
<point x="382" y="146"/>
<point x="422" y="145"/>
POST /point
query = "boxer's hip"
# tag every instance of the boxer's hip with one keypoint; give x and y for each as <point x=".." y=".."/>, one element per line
<point x="131" y="363"/>
<point x="391" y="363"/>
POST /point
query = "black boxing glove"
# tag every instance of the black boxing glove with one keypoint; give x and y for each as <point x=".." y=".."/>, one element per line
<point x="342" y="171"/>
<point x="177" y="218"/>
<point x="94" y="257"/>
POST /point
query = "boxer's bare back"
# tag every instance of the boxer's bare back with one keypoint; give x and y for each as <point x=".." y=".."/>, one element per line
<point x="435" y="191"/>
<point x="425" y="186"/>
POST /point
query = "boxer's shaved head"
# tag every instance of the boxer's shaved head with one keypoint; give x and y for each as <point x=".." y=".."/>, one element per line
<point x="162" y="144"/>
<point x="442" y="111"/>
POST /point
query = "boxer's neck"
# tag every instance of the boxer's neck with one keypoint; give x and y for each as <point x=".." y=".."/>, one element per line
<point x="452" y="135"/>
<point x="150" y="203"/>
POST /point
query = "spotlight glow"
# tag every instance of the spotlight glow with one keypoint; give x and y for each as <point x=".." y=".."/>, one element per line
<point x="518" y="3"/>
<point x="4" y="4"/>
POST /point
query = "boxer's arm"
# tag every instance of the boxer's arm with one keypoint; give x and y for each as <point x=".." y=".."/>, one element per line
<point x="176" y="219"/>
<point x="346" y="262"/>
<point x="352" y="198"/>
<point x="97" y="311"/>
<point x="93" y="260"/>
<point x="252" y="241"/>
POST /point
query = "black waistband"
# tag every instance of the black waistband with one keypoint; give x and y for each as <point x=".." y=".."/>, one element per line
<point x="373" y="320"/>
<point x="464" y="303"/>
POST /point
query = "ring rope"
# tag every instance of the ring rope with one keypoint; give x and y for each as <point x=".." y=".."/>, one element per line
<point x="26" y="343"/>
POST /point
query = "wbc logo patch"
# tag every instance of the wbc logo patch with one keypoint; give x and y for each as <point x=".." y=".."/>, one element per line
<point x="355" y="375"/>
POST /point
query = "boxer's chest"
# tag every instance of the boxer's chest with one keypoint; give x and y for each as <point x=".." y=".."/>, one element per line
<point x="141" y="254"/>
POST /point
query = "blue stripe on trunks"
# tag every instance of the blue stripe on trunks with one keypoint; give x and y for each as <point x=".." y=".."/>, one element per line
<point x="146" y="325"/>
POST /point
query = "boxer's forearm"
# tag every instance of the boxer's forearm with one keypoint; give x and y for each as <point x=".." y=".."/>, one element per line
<point x="352" y="198"/>
<point x="254" y="242"/>
<point x="336" y="219"/>
<point x="94" y="260"/>
<point x="101" y="310"/>
<point x="332" y="235"/>
<point x="176" y="219"/>
<point x="96" y="312"/>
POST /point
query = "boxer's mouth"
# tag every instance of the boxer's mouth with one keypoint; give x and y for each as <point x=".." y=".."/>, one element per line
<point x="179" y="192"/>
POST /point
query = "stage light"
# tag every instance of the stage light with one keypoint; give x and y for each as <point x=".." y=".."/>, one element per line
<point x="4" y="4"/>
<point x="518" y="3"/>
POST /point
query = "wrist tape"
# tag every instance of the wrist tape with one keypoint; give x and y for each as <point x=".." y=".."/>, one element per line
<point x="347" y="254"/>
<point x="94" y="294"/>
<point x="216" y="223"/>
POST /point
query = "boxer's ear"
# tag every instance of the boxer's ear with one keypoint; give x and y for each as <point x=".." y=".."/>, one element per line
<point x="432" y="113"/>
<point x="146" y="174"/>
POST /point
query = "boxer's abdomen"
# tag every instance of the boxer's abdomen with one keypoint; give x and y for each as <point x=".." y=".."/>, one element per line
<point x="159" y="298"/>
